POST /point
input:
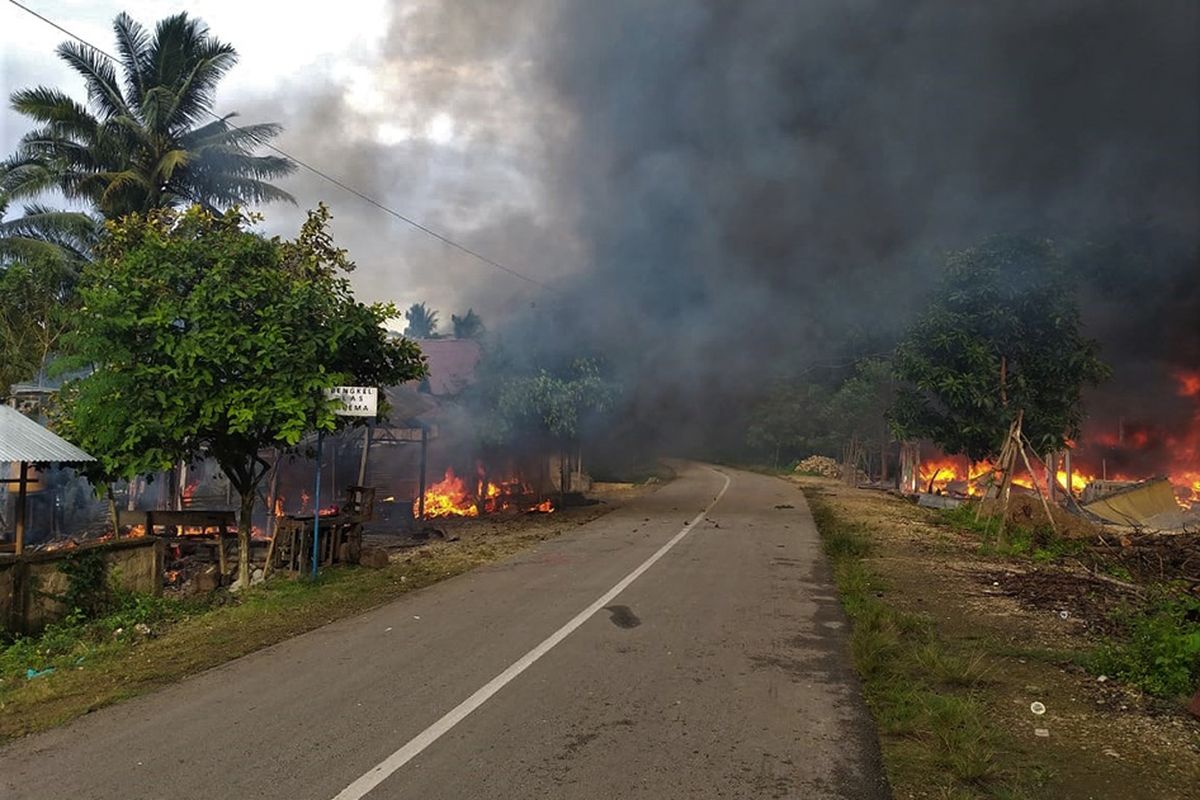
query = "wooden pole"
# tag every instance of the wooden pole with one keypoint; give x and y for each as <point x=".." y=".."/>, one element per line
<point x="272" y="494"/>
<point x="1051" y="474"/>
<point x="1037" y="488"/>
<point x="22" y="498"/>
<point x="424" y="461"/>
<point x="362" y="462"/>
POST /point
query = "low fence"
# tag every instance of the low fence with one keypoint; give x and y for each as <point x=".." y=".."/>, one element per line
<point x="32" y="584"/>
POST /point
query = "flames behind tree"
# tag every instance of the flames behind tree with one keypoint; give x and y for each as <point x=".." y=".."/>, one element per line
<point x="1126" y="451"/>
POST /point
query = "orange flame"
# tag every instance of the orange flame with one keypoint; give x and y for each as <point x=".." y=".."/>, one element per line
<point x="453" y="497"/>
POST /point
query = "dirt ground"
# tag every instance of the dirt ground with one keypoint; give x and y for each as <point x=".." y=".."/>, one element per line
<point x="1105" y="740"/>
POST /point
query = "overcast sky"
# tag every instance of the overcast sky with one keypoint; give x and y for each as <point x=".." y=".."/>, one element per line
<point x="368" y="95"/>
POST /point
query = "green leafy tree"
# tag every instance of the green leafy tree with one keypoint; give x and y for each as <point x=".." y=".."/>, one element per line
<point x="144" y="139"/>
<point x="422" y="323"/>
<point x="858" y="410"/>
<point x="1000" y="336"/>
<point x="790" y="421"/>
<point x="554" y="407"/>
<point x="37" y="304"/>
<point x="468" y="326"/>
<point x="208" y="340"/>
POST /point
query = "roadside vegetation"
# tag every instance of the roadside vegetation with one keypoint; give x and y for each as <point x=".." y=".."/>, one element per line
<point x="957" y="636"/>
<point x="927" y="696"/>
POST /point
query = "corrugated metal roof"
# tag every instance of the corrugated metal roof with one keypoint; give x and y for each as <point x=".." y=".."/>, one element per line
<point x="22" y="439"/>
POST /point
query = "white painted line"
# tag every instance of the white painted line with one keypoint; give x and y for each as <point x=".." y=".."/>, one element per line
<point x="381" y="771"/>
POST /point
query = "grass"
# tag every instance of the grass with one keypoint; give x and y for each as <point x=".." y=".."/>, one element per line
<point x="147" y="642"/>
<point x="927" y="696"/>
<point x="1160" y="649"/>
<point x="1039" y="542"/>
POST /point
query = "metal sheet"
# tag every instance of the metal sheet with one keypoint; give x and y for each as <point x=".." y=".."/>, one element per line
<point x="22" y="439"/>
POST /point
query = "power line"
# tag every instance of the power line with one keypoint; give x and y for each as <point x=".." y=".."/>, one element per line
<point x="314" y="170"/>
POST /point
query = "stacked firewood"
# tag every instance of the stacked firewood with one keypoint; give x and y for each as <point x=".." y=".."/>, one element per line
<point x="820" y="465"/>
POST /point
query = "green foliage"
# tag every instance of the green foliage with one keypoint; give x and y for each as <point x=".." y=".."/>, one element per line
<point x="790" y="421"/>
<point x="797" y="418"/>
<point x="206" y="339"/>
<point x="936" y="729"/>
<point x="468" y="326"/>
<point x="859" y="406"/>
<point x="81" y="637"/>
<point x="1160" y="648"/>
<point x="1001" y="334"/>
<point x="88" y="594"/>
<point x="144" y="139"/>
<point x="546" y="404"/>
<point x="422" y="323"/>
<point x="37" y="303"/>
<point x="1038" y="541"/>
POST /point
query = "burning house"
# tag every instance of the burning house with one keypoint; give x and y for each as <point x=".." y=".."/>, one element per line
<point x="1143" y="474"/>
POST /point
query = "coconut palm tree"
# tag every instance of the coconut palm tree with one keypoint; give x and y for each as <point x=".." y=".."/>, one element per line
<point x="144" y="140"/>
<point x="468" y="326"/>
<point x="422" y="323"/>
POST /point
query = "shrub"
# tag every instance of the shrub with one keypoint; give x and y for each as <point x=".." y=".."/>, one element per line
<point x="1161" y="651"/>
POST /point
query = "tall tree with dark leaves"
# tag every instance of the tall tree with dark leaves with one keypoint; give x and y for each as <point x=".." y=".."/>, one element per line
<point x="1000" y="336"/>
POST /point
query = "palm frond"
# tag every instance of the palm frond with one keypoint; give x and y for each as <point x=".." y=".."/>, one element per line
<point x="170" y="161"/>
<point x="41" y="229"/>
<point x="26" y="178"/>
<point x="98" y="74"/>
<point x="231" y="190"/>
<point x="55" y="108"/>
<point x="221" y="133"/>
<point x="132" y="44"/>
<point x="217" y="161"/>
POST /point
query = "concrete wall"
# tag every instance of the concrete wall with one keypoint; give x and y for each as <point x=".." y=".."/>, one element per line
<point x="31" y="583"/>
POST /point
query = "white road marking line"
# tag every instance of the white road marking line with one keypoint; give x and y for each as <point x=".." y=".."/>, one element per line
<point x="384" y="769"/>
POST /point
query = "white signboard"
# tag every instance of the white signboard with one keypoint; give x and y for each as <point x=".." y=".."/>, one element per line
<point x="357" y="401"/>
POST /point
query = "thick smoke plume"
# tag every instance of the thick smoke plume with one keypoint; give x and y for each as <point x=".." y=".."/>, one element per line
<point x="721" y="192"/>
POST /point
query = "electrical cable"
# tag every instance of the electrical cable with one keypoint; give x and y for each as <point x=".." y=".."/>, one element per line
<point x="314" y="170"/>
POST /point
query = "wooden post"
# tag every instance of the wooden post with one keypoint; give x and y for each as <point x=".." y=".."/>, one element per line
<point x="1037" y="487"/>
<point x="421" y="489"/>
<point x="366" y="449"/>
<point x="1051" y="475"/>
<point x="1067" y="469"/>
<point x="222" y="564"/>
<point x="22" y="497"/>
<point x="272" y="494"/>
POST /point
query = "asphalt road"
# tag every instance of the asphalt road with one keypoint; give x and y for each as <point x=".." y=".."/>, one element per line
<point x="720" y="670"/>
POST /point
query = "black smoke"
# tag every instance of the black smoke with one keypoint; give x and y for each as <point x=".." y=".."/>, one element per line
<point x="765" y="185"/>
<point x="728" y="191"/>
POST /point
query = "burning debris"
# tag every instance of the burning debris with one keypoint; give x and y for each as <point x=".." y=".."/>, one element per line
<point x="454" y="497"/>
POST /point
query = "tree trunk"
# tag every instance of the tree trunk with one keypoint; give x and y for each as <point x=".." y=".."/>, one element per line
<point x="245" y="519"/>
<point x="563" y="473"/>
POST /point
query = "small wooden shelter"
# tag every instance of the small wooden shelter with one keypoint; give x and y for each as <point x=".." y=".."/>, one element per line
<point x="25" y="442"/>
